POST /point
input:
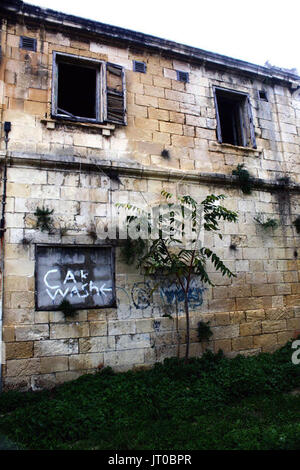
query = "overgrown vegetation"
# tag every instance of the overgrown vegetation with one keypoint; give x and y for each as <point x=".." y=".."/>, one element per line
<point x="269" y="223"/>
<point x="211" y="403"/>
<point x="175" y="250"/>
<point x="244" y="178"/>
<point x="44" y="219"/>
<point x="204" y="331"/>
<point x="132" y="250"/>
<point x="67" y="308"/>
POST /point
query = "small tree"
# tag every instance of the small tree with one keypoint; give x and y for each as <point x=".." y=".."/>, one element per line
<point x="176" y="251"/>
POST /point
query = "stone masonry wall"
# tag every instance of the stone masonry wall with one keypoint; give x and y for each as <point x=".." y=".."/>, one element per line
<point x="163" y="113"/>
<point x="258" y="310"/>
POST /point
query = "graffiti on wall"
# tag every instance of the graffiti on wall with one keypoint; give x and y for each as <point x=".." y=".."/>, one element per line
<point x="83" y="276"/>
<point x="170" y="294"/>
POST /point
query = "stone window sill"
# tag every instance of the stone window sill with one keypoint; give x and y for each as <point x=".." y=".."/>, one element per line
<point x="105" y="129"/>
<point x="228" y="148"/>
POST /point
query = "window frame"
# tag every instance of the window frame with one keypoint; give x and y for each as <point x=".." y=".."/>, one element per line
<point x="112" y="304"/>
<point x="101" y="100"/>
<point x="245" y="127"/>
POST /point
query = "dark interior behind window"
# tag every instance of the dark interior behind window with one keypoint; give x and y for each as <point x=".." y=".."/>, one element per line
<point x="76" y="93"/>
<point x="234" y="118"/>
<point x="230" y="120"/>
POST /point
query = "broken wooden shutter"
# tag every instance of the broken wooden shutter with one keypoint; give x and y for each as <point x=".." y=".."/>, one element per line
<point x="115" y="94"/>
<point x="251" y="124"/>
<point x="219" y="132"/>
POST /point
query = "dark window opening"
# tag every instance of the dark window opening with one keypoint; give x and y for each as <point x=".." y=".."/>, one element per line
<point x="263" y="95"/>
<point x="88" y="90"/>
<point x="76" y="94"/>
<point x="234" y="118"/>
<point x="230" y="121"/>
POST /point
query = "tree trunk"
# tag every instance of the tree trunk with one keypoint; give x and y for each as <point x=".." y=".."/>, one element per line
<point x="187" y="316"/>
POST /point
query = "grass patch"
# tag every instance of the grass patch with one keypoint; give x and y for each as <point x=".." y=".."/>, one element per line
<point x="211" y="403"/>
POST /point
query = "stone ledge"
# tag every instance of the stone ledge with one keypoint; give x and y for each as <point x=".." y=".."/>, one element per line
<point x="237" y="149"/>
<point x="105" y="129"/>
<point x="135" y="169"/>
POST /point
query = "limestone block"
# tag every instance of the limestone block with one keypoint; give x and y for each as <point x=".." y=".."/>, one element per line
<point x="144" y="100"/>
<point x="96" y="344"/>
<point x="219" y="305"/>
<point x="71" y="330"/>
<point x="8" y="334"/>
<point x="249" y="303"/>
<point x="285" y="336"/>
<point x="242" y="343"/>
<point x="293" y="323"/>
<point x="67" y="376"/>
<point x="54" y="364"/>
<point x="98" y="328"/>
<point x="144" y="325"/>
<point x="262" y="290"/>
<point x="224" y="332"/>
<point x="158" y="114"/>
<point x="15" y="268"/>
<point x="19" y="367"/>
<point x="223" y="344"/>
<point x="121" y="327"/>
<point x="279" y="313"/>
<point x="55" y="347"/>
<point x="132" y="341"/>
<point x="237" y="317"/>
<point x="251" y="328"/>
<point x="41" y="317"/>
<point x="180" y="96"/>
<point x="34" y="332"/>
<point x="22" y="299"/>
<point x="182" y="141"/>
<point x="18" y="350"/>
<point x="127" y="357"/>
<point x="265" y="341"/>
<point x="171" y="128"/>
<point x="169" y="105"/>
<point x="44" y="381"/>
<point x="86" y="361"/>
<point x="222" y="318"/>
<point x="18" y="189"/>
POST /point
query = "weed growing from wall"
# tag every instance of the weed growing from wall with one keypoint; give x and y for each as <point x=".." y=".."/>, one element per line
<point x="204" y="331"/>
<point x="67" y="309"/>
<point x="44" y="219"/>
<point x="270" y="223"/>
<point x="244" y="178"/>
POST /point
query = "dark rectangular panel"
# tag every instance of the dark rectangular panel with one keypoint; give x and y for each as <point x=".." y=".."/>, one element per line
<point x="84" y="276"/>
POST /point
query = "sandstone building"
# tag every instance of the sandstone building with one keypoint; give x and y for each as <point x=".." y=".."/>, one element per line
<point x="92" y="115"/>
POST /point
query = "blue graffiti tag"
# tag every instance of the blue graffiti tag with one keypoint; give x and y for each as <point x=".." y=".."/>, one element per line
<point x="171" y="293"/>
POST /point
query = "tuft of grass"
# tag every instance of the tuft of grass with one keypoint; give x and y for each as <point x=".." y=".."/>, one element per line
<point x="245" y="180"/>
<point x="270" y="223"/>
<point x="67" y="308"/>
<point x="212" y="402"/>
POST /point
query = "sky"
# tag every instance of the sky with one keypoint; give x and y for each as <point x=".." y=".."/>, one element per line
<point x="255" y="30"/>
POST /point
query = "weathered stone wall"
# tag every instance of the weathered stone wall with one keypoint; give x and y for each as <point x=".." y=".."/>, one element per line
<point x="256" y="311"/>
<point x="163" y="113"/>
